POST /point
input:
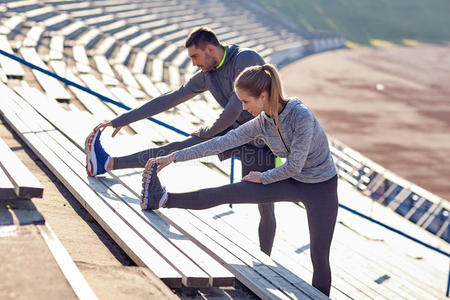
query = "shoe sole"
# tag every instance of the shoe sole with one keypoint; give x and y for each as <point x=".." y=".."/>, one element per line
<point x="91" y="159"/>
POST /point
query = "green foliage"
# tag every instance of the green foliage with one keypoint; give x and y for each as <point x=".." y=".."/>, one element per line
<point x="362" y="20"/>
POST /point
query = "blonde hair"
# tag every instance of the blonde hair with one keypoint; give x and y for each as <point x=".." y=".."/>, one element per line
<point x="258" y="79"/>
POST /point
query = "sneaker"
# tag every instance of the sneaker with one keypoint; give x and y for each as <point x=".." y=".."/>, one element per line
<point x="96" y="156"/>
<point x="153" y="195"/>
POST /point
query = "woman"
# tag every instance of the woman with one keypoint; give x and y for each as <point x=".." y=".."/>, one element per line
<point x="290" y="130"/>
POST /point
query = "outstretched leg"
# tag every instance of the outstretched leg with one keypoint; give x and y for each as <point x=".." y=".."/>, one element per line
<point x="139" y="159"/>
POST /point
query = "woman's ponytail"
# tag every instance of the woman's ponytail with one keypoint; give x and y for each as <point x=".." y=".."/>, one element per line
<point x="265" y="78"/>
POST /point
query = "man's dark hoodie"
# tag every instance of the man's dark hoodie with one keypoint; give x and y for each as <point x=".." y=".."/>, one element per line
<point x="219" y="81"/>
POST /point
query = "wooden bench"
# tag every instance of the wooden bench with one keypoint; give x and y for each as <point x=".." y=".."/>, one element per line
<point x="140" y="236"/>
<point x="89" y="38"/>
<point x="100" y="21"/>
<point x="107" y="73"/>
<point x="86" y="13"/>
<point x="128" y="33"/>
<point x="57" y="21"/>
<point x="82" y="62"/>
<point x="123" y="54"/>
<point x="140" y="63"/>
<point x="141" y="40"/>
<point x="11" y="25"/>
<point x="153" y="45"/>
<point x="11" y="68"/>
<point x="73" y="30"/>
<point x="56" y="48"/>
<point x="129" y="81"/>
<point x="41" y="13"/>
<point x="25" y="185"/>
<point x="51" y="86"/>
<point x="106" y="46"/>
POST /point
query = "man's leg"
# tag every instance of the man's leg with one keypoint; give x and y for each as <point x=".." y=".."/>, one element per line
<point x="260" y="160"/>
<point x="139" y="159"/>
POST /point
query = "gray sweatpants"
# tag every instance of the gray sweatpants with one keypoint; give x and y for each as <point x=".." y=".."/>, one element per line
<point x="320" y="200"/>
<point x="253" y="158"/>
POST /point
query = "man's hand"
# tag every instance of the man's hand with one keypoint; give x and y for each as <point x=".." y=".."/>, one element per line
<point x="253" y="177"/>
<point x="103" y="125"/>
<point x="162" y="161"/>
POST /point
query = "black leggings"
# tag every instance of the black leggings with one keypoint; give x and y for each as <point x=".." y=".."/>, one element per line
<point x="253" y="158"/>
<point x="320" y="200"/>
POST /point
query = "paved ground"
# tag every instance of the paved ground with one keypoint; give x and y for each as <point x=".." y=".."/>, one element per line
<point x="404" y="125"/>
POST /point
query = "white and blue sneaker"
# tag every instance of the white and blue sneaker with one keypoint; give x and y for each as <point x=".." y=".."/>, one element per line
<point x="153" y="195"/>
<point x="96" y="157"/>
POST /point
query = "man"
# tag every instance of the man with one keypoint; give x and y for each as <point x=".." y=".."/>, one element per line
<point x="220" y="65"/>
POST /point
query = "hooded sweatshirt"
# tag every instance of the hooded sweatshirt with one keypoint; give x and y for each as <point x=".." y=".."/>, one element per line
<point x="219" y="81"/>
<point x="301" y="140"/>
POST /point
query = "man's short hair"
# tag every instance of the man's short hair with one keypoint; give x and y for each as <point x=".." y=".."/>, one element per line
<point x="200" y="37"/>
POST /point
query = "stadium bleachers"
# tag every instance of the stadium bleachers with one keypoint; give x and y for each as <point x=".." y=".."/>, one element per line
<point x="133" y="52"/>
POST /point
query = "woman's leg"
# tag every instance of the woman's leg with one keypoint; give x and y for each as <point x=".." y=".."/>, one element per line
<point x="139" y="159"/>
<point x="320" y="200"/>
<point x="241" y="192"/>
<point x="321" y="203"/>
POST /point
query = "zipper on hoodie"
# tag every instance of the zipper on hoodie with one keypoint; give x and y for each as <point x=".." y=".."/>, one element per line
<point x="281" y="137"/>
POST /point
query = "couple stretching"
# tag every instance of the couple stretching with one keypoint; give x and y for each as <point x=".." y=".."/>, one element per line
<point x="239" y="79"/>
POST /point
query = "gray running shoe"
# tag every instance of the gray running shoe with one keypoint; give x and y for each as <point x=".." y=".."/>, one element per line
<point x="153" y="194"/>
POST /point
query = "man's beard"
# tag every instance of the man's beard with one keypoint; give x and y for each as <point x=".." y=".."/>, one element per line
<point x="211" y="63"/>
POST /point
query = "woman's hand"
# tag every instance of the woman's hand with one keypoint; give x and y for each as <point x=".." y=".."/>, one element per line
<point x="103" y="125"/>
<point x="253" y="176"/>
<point x="162" y="162"/>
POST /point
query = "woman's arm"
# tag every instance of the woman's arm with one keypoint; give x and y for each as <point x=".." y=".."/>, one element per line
<point x="236" y="137"/>
<point x="233" y="138"/>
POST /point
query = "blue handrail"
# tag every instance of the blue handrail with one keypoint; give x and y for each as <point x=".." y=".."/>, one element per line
<point x="104" y="98"/>
<point x="87" y="90"/>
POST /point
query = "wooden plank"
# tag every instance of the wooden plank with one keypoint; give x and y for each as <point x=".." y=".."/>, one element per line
<point x="140" y="63"/>
<point x="140" y="40"/>
<point x="56" y="20"/>
<point x="33" y="36"/>
<point x="117" y="228"/>
<point x="153" y="45"/>
<point x="7" y="189"/>
<point x="25" y="184"/>
<point x="127" y="33"/>
<point x="12" y="68"/>
<point x="105" y="47"/>
<point x="52" y="86"/>
<point x="11" y="24"/>
<point x="129" y="81"/>
<point x="30" y="14"/>
<point x="108" y="76"/>
<point x="81" y="59"/>
<point x="56" y="47"/>
<point x="72" y="30"/>
<point x="147" y="85"/>
<point x="123" y="54"/>
<point x="89" y="38"/>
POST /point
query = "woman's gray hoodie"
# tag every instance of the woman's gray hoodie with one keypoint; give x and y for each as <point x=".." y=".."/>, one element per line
<point x="301" y="140"/>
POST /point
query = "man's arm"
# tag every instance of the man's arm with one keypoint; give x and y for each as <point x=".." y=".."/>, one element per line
<point x="233" y="109"/>
<point x="194" y="86"/>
